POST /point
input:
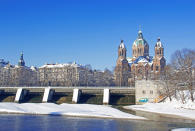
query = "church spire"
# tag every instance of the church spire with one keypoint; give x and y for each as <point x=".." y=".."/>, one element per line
<point x="21" y="61"/>
<point x="140" y="35"/>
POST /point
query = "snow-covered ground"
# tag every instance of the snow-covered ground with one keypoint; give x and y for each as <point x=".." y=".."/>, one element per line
<point x="85" y="110"/>
<point x="174" y="107"/>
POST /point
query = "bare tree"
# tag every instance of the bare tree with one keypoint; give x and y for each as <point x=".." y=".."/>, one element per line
<point x="167" y="77"/>
<point x="183" y="63"/>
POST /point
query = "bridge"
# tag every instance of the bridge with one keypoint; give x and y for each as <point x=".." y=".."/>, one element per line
<point x="90" y="95"/>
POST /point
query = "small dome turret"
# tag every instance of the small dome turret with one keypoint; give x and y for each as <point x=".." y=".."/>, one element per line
<point x="122" y="45"/>
<point x="158" y="43"/>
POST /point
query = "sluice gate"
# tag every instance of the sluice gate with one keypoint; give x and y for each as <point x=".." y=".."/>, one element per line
<point x="80" y="95"/>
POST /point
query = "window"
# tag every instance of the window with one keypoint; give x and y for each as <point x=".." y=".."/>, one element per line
<point x="151" y="92"/>
<point x="156" y="68"/>
<point x="143" y="92"/>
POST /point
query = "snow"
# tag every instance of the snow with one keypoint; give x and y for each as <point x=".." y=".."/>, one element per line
<point x="3" y="63"/>
<point x="85" y="110"/>
<point x="143" y="60"/>
<point x="174" y="107"/>
<point x="129" y="60"/>
<point x="60" y="65"/>
<point x="167" y="108"/>
<point x="33" y="68"/>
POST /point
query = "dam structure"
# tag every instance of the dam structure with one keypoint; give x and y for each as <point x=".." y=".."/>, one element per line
<point x="79" y="95"/>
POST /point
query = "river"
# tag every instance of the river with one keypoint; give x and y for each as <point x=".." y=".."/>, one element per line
<point x="19" y="122"/>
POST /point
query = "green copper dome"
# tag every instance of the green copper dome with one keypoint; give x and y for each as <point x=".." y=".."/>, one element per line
<point x="140" y="40"/>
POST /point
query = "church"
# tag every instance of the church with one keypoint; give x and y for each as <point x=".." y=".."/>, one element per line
<point x="141" y="65"/>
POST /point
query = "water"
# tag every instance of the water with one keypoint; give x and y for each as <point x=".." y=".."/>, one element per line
<point x="17" y="122"/>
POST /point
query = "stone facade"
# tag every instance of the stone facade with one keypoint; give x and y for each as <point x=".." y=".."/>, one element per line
<point x="18" y="75"/>
<point x="70" y="74"/>
<point x="63" y="75"/>
<point x="142" y="66"/>
<point x="122" y="70"/>
<point x="73" y="75"/>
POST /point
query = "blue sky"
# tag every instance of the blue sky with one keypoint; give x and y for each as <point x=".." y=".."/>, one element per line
<point x="89" y="31"/>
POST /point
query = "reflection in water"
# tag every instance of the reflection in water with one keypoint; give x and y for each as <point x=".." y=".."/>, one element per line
<point x="55" y="123"/>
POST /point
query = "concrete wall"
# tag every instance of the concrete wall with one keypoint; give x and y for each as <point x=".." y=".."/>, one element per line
<point x="147" y="91"/>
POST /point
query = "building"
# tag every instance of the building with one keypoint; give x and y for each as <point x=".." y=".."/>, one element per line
<point x="64" y="75"/>
<point x="18" y="75"/>
<point x="148" y="91"/>
<point x="141" y="65"/>
<point x="123" y="69"/>
<point x="69" y="74"/>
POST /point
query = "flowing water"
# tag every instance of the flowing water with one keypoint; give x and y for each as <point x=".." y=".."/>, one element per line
<point x="17" y="122"/>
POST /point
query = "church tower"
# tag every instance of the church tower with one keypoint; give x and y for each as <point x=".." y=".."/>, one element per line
<point x="122" y="70"/>
<point x="140" y="46"/>
<point x="122" y="51"/>
<point x="159" y="61"/>
<point x="21" y="61"/>
<point x="159" y="50"/>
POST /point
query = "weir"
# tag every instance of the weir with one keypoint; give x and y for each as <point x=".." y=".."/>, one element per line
<point x="91" y="96"/>
<point x="34" y="95"/>
<point x="62" y="95"/>
<point x="80" y="95"/>
<point x="7" y="94"/>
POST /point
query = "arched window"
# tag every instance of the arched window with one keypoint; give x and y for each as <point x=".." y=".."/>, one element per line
<point x="157" y="68"/>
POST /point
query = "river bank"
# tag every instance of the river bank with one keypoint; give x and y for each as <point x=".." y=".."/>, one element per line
<point x="79" y="110"/>
<point x="167" y="109"/>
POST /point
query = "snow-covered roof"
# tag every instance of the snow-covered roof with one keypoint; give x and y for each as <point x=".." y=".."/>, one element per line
<point x="33" y="68"/>
<point x="141" y="59"/>
<point x="60" y="65"/>
<point x="129" y="60"/>
<point x="3" y="63"/>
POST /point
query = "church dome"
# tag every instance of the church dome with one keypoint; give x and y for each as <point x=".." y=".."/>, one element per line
<point x="140" y="40"/>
